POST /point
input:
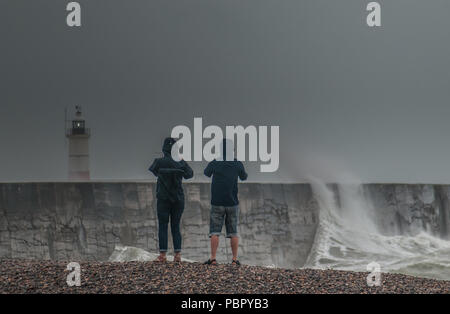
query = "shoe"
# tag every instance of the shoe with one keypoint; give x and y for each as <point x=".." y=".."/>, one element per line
<point x="177" y="258"/>
<point x="161" y="259"/>
<point x="210" y="262"/>
<point x="236" y="262"/>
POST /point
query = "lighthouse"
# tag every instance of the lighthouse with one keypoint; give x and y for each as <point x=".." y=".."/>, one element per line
<point x="78" y="136"/>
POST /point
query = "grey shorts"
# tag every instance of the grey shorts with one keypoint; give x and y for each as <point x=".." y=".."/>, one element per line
<point x="219" y="214"/>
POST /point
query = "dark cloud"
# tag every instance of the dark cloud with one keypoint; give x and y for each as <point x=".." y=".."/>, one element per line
<point x="371" y="100"/>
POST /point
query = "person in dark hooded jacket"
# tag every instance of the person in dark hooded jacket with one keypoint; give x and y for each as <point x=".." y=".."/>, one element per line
<point x="170" y="197"/>
<point x="225" y="173"/>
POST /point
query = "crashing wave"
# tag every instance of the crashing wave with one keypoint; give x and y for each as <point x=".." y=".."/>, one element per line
<point x="348" y="238"/>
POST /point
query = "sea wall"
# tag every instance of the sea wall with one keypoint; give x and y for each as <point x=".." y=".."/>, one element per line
<point x="84" y="221"/>
<point x="411" y="208"/>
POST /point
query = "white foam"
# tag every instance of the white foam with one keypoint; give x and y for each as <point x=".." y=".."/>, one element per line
<point x="347" y="238"/>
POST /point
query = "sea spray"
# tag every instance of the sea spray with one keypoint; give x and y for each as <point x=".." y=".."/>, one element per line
<point x="348" y="237"/>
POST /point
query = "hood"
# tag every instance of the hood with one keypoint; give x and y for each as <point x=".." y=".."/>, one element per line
<point x="167" y="146"/>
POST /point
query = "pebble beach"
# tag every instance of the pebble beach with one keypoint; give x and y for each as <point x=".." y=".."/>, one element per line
<point x="49" y="277"/>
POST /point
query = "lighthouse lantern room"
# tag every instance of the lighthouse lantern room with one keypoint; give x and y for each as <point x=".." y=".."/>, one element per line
<point x="78" y="136"/>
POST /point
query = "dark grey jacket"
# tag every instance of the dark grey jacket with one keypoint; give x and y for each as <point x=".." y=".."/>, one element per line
<point x="170" y="174"/>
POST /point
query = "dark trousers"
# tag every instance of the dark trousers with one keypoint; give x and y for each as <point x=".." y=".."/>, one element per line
<point x="168" y="210"/>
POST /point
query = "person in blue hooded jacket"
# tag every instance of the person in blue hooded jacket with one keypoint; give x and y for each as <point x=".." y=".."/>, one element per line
<point x="170" y="198"/>
<point x="224" y="199"/>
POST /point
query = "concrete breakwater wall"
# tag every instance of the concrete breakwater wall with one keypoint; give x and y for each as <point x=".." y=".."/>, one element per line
<point x="84" y="221"/>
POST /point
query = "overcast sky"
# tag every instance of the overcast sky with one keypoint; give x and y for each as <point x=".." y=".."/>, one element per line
<point x="347" y="98"/>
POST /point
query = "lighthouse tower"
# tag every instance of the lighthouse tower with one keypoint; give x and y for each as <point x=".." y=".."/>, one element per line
<point x="78" y="136"/>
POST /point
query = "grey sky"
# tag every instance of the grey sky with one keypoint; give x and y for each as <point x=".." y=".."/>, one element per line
<point x="370" y="101"/>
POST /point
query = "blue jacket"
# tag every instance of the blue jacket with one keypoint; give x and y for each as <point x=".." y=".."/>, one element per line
<point x="225" y="174"/>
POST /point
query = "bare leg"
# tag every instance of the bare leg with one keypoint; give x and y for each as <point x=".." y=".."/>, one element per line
<point x="234" y="241"/>
<point x="214" y="246"/>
